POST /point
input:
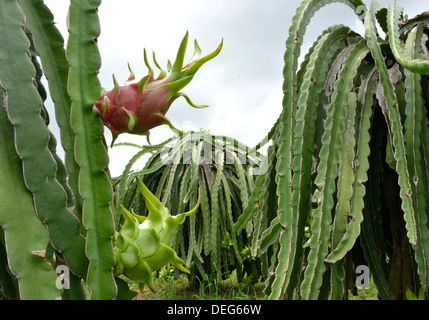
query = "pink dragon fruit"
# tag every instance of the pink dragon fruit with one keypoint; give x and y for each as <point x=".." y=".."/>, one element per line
<point x="138" y="106"/>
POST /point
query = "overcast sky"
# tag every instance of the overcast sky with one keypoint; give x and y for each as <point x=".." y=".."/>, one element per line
<point x="242" y="85"/>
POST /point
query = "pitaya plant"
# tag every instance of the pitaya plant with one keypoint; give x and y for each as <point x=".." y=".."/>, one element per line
<point x="143" y="244"/>
<point x="140" y="105"/>
<point x="58" y="217"/>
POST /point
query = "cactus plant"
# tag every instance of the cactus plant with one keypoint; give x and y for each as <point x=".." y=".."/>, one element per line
<point x="345" y="181"/>
<point x="221" y="172"/>
<point x="349" y="159"/>
<point x="59" y="215"/>
<point x="35" y="145"/>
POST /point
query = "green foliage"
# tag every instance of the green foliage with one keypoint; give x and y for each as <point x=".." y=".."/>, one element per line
<point x="67" y="218"/>
<point x="220" y="171"/>
<point x="36" y="278"/>
<point x="94" y="185"/>
<point x="348" y="162"/>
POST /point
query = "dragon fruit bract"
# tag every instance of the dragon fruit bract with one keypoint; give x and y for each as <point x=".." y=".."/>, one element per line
<point x="140" y="105"/>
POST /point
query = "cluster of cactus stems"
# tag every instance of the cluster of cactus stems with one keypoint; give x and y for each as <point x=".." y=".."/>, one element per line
<point x="221" y="172"/>
<point x="346" y="180"/>
<point x="349" y="163"/>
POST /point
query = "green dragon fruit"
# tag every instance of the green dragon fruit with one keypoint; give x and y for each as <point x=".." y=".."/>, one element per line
<point x="142" y="245"/>
<point x="140" y="105"/>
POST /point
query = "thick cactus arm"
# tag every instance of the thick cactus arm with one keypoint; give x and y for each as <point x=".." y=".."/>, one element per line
<point x="300" y="21"/>
<point x="326" y="174"/>
<point x="95" y="187"/>
<point x="415" y="111"/>
<point x="393" y="119"/>
<point x="50" y="46"/>
<point x="36" y="279"/>
<point x="344" y="194"/>
<point x="361" y="163"/>
<point x="31" y="140"/>
<point x="410" y="62"/>
<point x="61" y="173"/>
<point x="313" y="81"/>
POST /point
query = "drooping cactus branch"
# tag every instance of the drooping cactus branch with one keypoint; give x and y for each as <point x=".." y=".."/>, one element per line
<point x="354" y="121"/>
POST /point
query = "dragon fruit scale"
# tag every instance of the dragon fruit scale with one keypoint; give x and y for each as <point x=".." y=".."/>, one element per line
<point x="140" y="105"/>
